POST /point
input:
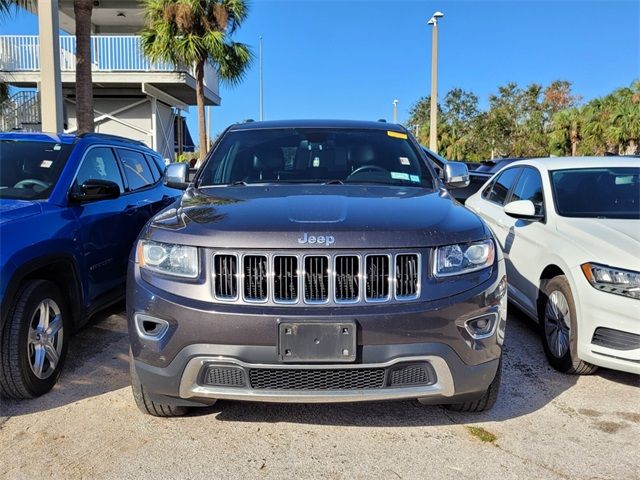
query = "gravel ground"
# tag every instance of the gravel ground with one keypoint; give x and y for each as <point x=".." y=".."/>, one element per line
<point x="545" y="425"/>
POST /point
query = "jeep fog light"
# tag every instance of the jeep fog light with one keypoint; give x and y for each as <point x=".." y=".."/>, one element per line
<point x="481" y="327"/>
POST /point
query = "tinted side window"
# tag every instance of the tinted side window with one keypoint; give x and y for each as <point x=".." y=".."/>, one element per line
<point x="502" y="185"/>
<point x="487" y="190"/>
<point x="529" y="187"/>
<point x="100" y="164"/>
<point x="136" y="169"/>
<point x="157" y="166"/>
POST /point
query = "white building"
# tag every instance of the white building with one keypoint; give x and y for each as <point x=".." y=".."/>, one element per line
<point x="133" y="97"/>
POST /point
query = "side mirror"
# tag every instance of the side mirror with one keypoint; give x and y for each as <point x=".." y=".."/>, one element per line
<point x="177" y="175"/>
<point x="94" y="189"/>
<point x="456" y="175"/>
<point x="522" y="209"/>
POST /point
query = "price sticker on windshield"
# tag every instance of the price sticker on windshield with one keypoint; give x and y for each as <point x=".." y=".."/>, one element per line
<point x="393" y="134"/>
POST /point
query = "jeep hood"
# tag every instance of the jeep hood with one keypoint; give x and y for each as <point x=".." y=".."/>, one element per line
<point x="277" y="216"/>
<point x="15" y="209"/>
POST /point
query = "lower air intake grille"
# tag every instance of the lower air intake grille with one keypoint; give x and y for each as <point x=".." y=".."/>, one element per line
<point x="312" y="379"/>
<point x="411" y="375"/>
<point x="224" y="377"/>
<point x="255" y="277"/>
<point x="316" y="279"/>
<point x="377" y="271"/>
<point x="225" y="276"/>
<point x="406" y="275"/>
<point x="616" y="339"/>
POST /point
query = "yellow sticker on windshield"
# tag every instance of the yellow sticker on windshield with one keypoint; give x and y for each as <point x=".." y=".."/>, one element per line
<point x="393" y="134"/>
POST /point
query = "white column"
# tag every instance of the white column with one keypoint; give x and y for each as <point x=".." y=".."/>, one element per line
<point x="154" y="124"/>
<point x="50" y="81"/>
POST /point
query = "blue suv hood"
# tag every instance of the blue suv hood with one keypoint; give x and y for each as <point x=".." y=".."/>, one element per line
<point x="14" y="209"/>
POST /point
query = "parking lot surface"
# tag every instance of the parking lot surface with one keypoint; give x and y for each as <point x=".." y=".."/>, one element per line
<point x="545" y="425"/>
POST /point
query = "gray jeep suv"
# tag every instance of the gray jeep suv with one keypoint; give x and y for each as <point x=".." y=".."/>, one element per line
<point x="316" y="261"/>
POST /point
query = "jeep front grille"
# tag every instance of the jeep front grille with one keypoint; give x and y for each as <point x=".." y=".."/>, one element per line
<point x="316" y="278"/>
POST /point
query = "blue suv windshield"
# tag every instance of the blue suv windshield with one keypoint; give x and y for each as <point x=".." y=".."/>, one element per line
<point x="316" y="155"/>
<point x="29" y="170"/>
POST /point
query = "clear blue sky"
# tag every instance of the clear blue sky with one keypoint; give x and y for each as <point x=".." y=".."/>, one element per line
<point x="350" y="59"/>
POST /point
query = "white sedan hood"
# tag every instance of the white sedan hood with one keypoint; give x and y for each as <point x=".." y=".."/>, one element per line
<point x="613" y="242"/>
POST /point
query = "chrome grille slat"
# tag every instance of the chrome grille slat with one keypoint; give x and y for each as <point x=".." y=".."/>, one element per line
<point x="316" y="279"/>
<point x="255" y="277"/>
<point x="347" y="275"/>
<point x="377" y="277"/>
<point x="285" y="279"/>
<point x="407" y="280"/>
<point x="225" y="276"/>
<point x="316" y="276"/>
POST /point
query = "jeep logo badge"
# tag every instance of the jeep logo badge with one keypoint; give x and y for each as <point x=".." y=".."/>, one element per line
<point x="307" y="239"/>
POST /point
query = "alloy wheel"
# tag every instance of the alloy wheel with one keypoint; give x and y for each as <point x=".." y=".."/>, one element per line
<point x="557" y="319"/>
<point x="45" y="339"/>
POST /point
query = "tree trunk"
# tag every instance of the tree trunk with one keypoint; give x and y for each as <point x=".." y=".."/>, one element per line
<point x="84" y="87"/>
<point x="574" y="143"/>
<point x="202" y="132"/>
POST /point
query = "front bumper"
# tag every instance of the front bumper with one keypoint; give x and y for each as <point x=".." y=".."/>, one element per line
<point x="609" y="328"/>
<point x="198" y="335"/>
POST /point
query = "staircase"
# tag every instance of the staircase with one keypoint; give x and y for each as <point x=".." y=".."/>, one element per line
<point x="21" y="111"/>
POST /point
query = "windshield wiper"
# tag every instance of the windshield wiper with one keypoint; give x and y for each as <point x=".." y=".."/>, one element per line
<point x="335" y="181"/>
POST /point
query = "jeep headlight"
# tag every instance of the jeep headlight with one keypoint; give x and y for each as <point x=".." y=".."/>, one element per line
<point x="613" y="280"/>
<point x="170" y="259"/>
<point x="463" y="258"/>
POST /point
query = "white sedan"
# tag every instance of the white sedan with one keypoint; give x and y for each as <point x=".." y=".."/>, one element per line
<point x="570" y="231"/>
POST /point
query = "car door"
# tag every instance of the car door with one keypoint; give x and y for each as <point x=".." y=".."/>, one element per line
<point x="490" y="206"/>
<point x="525" y="241"/>
<point x="145" y="193"/>
<point x="101" y="224"/>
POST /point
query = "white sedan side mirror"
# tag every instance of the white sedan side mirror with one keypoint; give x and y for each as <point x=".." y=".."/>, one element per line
<point x="522" y="209"/>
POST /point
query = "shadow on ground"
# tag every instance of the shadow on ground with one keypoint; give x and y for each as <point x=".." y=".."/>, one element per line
<point x="98" y="364"/>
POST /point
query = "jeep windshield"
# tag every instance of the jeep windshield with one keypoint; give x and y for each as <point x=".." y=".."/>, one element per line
<point x="607" y="192"/>
<point x="315" y="155"/>
<point x="29" y="170"/>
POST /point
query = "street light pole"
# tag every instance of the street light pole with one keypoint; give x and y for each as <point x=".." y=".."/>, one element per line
<point x="395" y="111"/>
<point x="261" y="84"/>
<point x="433" y="116"/>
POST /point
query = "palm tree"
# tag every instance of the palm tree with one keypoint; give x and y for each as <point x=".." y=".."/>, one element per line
<point x="82" y="10"/>
<point x="566" y="131"/>
<point x="192" y="32"/>
<point x="6" y="6"/>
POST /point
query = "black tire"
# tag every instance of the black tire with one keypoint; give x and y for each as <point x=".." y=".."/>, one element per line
<point x="17" y="378"/>
<point x="145" y="404"/>
<point x="488" y="399"/>
<point x="569" y="361"/>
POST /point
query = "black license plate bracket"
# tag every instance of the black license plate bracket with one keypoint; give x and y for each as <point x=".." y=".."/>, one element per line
<point x="320" y="342"/>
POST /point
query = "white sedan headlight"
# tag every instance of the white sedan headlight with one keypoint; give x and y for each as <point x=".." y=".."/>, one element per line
<point x="170" y="259"/>
<point x="613" y="280"/>
<point x="463" y="258"/>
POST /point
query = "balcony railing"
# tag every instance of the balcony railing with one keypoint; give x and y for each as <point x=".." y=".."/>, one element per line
<point x="109" y="53"/>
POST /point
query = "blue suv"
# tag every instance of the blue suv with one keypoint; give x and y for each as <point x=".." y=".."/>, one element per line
<point x="71" y="208"/>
